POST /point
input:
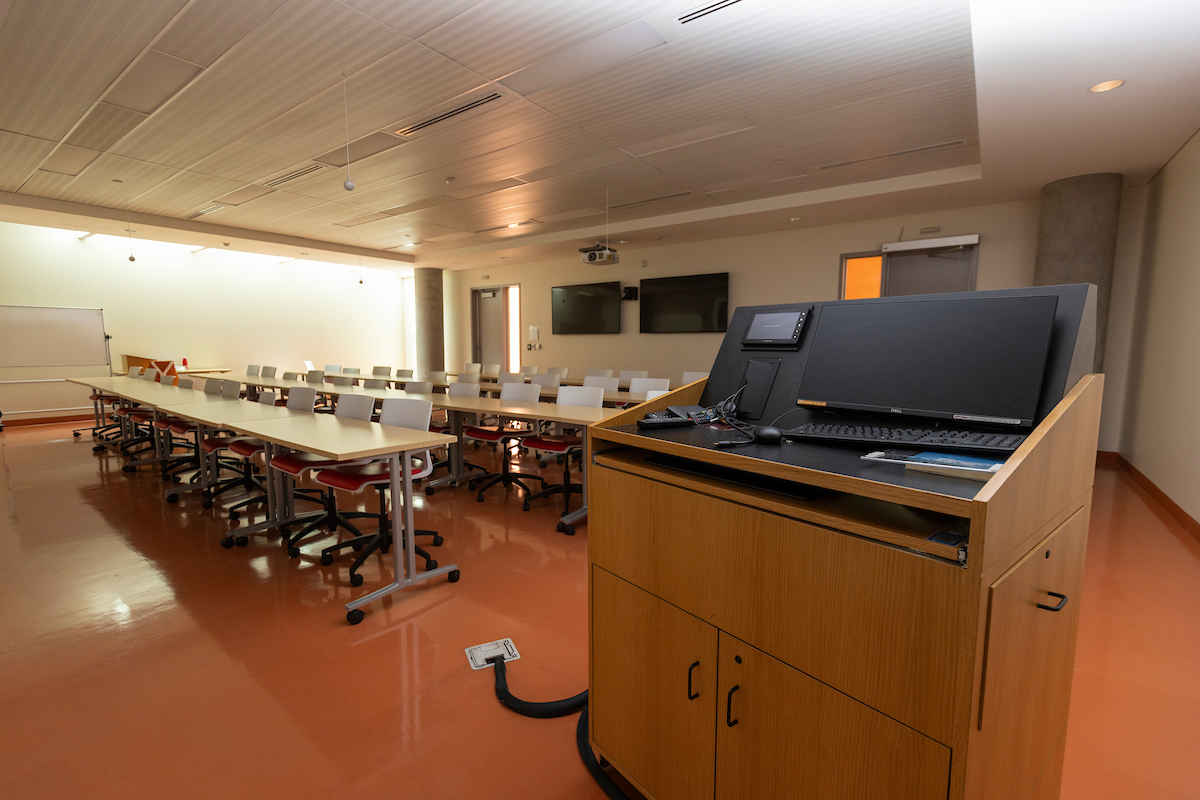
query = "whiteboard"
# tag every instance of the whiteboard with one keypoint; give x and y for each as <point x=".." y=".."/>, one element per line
<point x="47" y="336"/>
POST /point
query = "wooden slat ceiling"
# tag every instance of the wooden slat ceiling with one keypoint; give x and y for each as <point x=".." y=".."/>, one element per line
<point x="167" y="106"/>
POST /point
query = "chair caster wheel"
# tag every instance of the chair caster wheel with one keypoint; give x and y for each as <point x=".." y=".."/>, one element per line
<point x="453" y="575"/>
<point x="129" y="468"/>
<point x="176" y="479"/>
<point x="207" y="504"/>
<point x="524" y="506"/>
<point x="383" y="548"/>
<point x="354" y="617"/>
<point x="227" y="542"/>
<point x="560" y="461"/>
<point x="165" y="477"/>
<point x="569" y="530"/>
<point x="326" y="559"/>
<point x="206" y="494"/>
<point x="356" y="580"/>
<point x="356" y="547"/>
<point x="293" y="552"/>
<point x="471" y="485"/>
<point x="429" y="491"/>
<point x="172" y="498"/>
<point x="242" y="541"/>
<point x="479" y="497"/>
<point x="233" y="515"/>
<point x="99" y="448"/>
<point x="75" y="434"/>
<point x="431" y="564"/>
<point x="437" y="541"/>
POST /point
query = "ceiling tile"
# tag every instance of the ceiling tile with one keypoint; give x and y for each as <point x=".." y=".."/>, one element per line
<point x="210" y="27"/>
<point x="242" y="195"/>
<point x="45" y="184"/>
<point x="69" y="160"/>
<point x="411" y="77"/>
<point x="56" y="67"/>
<point x="97" y="185"/>
<point x="413" y="17"/>
<point x="105" y="126"/>
<point x="500" y="36"/>
<point x="182" y="194"/>
<point x="292" y="56"/>
<point x="153" y="80"/>
<point x="263" y="210"/>
<point x="19" y="157"/>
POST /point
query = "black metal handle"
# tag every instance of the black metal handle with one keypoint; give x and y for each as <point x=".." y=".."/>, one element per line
<point x="697" y="694"/>
<point x="729" y="720"/>
<point x="1062" y="601"/>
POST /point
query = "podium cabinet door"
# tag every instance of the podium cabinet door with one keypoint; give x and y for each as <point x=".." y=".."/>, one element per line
<point x="653" y="692"/>
<point x="782" y="734"/>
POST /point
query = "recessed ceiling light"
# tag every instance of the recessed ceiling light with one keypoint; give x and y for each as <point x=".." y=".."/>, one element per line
<point x="514" y="224"/>
<point x="622" y="241"/>
<point x="410" y="244"/>
<point x="793" y="219"/>
<point x="1107" y="86"/>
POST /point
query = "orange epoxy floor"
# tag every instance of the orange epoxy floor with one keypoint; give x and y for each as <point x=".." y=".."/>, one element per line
<point x="140" y="659"/>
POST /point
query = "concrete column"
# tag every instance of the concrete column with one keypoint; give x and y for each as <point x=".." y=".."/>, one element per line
<point x="1077" y="239"/>
<point x="431" y="335"/>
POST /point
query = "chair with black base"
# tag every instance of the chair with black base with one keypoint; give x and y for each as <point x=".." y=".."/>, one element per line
<point x="244" y="477"/>
<point x="565" y="446"/>
<point x="406" y="413"/>
<point x="504" y="434"/>
<point x="352" y="406"/>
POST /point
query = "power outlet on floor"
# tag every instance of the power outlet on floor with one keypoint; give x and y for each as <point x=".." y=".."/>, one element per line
<point x="478" y="655"/>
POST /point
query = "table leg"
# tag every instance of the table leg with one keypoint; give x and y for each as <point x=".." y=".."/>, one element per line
<point x="457" y="459"/>
<point x="404" y="560"/>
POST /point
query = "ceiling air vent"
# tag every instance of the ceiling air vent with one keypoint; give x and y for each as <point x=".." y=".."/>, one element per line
<point x="704" y="11"/>
<point x="454" y="112"/>
<point x="203" y="211"/>
<point x="895" y="154"/>
<point x="291" y="176"/>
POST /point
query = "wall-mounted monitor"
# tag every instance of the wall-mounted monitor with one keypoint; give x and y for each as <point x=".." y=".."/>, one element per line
<point x="586" y="308"/>
<point x="685" y="304"/>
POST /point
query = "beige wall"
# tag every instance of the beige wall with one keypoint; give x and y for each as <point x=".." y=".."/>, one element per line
<point x="788" y="266"/>
<point x="216" y="308"/>
<point x="1162" y="434"/>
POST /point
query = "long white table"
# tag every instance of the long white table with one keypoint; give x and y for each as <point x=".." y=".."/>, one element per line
<point x="355" y="440"/>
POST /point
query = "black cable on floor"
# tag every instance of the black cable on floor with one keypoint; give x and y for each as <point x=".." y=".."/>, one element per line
<point x="558" y="708"/>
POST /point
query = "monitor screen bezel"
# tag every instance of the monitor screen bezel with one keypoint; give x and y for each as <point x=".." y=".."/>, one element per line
<point x="961" y="415"/>
<point x="798" y="328"/>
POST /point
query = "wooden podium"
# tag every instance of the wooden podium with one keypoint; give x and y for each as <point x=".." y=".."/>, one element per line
<point x="751" y="643"/>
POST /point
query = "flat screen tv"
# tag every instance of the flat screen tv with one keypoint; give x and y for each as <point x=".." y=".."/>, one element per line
<point x="974" y="360"/>
<point x="685" y="304"/>
<point x="586" y="308"/>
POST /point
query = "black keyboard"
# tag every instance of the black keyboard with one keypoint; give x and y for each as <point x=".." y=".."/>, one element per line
<point x="940" y="439"/>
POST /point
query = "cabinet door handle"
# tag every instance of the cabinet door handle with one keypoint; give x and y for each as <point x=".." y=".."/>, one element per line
<point x="692" y="696"/>
<point x="729" y="720"/>
<point x="1062" y="601"/>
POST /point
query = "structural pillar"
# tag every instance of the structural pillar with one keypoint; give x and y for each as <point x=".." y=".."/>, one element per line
<point x="1077" y="239"/>
<point x="431" y="334"/>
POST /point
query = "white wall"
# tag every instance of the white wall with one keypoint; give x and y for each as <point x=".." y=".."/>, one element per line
<point x="787" y="266"/>
<point x="217" y="308"/>
<point x="1161" y="428"/>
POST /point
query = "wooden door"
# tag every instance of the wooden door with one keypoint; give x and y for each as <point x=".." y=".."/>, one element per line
<point x="1028" y="667"/>
<point x="653" y="694"/>
<point x="782" y="734"/>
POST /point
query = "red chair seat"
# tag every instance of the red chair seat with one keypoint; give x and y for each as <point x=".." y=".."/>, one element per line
<point x="162" y="423"/>
<point x="297" y="463"/>
<point x="553" y="444"/>
<point x="182" y="426"/>
<point x="353" y="479"/>
<point x="246" y="446"/>
<point x="141" y="415"/>
<point x="214" y="443"/>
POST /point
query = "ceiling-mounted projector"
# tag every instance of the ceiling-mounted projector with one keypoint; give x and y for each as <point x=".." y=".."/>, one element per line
<point x="599" y="255"/>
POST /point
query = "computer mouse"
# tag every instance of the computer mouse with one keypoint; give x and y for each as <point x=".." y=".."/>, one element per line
<point x="768" y="435"/>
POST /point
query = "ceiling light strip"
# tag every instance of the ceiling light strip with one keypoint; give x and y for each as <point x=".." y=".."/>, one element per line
<point x="411" y="129"/>
<point x="291" y="176"/>
<point x="704" y="11"/>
